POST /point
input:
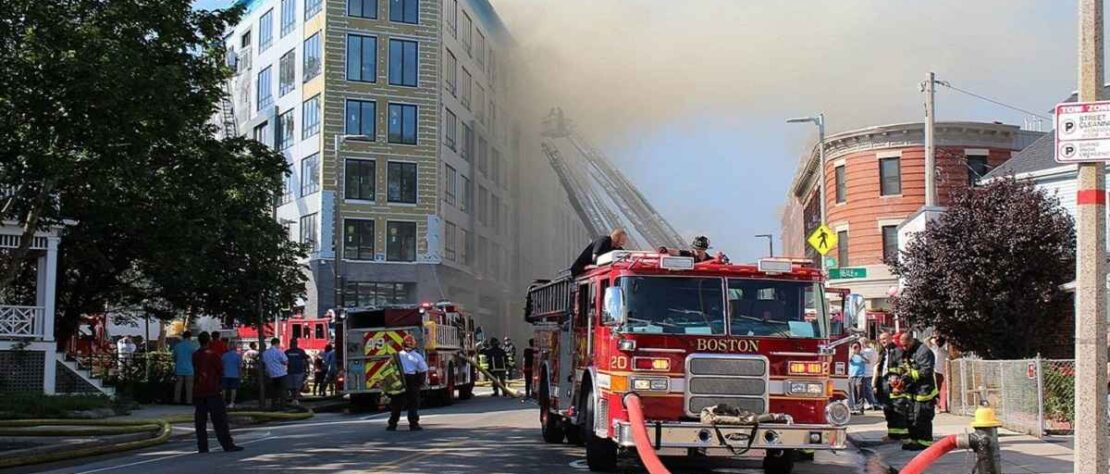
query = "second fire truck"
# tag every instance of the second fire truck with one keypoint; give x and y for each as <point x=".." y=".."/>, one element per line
<point x="683" y="337"/>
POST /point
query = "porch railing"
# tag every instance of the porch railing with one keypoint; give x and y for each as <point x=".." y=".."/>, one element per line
<point x="19" y="322"/>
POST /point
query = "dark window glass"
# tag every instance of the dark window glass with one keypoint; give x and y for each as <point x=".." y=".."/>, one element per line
<point x="890" y="176"/>
<point x="364" y="294"/>
<point x="770" y="308"/>
<point x="842" y="249"/>
<point x="403" y="59"/>
<point x="265" y="90"/>
<point x="266" y="31"/>
<point x="362" y="58"/>
<point x="288" y="16"/>
<point x="404" y="11"/>
<point x="450" y="129"/>
<point x="310" y="117"/>
<point x="311" y="57"/>
<point x="841" y="188"/>
<point x="659" y="305"/>
<point x="358" y="242"/>
<point x="308" y="231"/>
<point x="890" y="242"/>
<point x="401" y="242"/>
<point x="312" y="7"/>
<point x="976" y="167"/>
<point x="287" y="73"/>
<point x="361" y="118"/>
<point x="402" y="182"/>
<point x="362" y="8"/>
<point x="360" y="179"/>
<point x="402" y="124"/>
<point x="285" y="130"/>
<point x="310" y="174"/>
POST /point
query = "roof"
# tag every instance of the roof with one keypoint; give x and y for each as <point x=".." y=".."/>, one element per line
<point x="1040" y="155"/>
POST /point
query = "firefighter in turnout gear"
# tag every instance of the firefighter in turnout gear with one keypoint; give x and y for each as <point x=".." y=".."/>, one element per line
<point x="888" y="387"/>
<point x="498" y="365"/>
<point x="919" y="377"/>
<point x="510" y="354"/>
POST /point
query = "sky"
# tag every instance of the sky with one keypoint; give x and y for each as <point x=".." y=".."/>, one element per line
<point x="690" y="98"/>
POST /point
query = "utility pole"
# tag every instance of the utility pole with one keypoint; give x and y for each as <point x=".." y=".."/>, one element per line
<point x="1090" y="294"/>
<point x="770" y="244"/>
<point x="930" y="87"/>
<point x="819" y="121"/>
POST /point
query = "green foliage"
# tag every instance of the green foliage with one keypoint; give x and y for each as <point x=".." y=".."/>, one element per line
<point x="988" y="273"/>
<point x="1059" y="388"/>
<point x="36" y="405"/>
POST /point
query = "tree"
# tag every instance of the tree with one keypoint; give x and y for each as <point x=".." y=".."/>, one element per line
<point x="988" y="273"/>
<point x="105" y="119"/>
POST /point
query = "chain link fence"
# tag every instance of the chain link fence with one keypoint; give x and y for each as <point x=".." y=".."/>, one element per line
<point x="1033" y="396"/>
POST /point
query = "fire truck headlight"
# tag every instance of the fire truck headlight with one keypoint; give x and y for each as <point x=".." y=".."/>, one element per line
<point x="805" y="389"/>
<point x="627" y="345"/>
<point x="838" y="413"/>
<point x="653" y="384"/>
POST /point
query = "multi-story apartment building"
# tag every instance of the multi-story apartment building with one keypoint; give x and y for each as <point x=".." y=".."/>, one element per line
<point x="397" y="120"/>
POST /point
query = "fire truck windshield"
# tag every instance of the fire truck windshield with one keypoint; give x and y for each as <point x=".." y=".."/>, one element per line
<point x="674" y="305"/>
<point x="776" y="308"/>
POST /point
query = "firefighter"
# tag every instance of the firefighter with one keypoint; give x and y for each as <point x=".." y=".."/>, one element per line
<point x="918" y="363"/>
<point x="603" y="245"/>
<point x="510" y="357"/>
<point x="699" y="249"/>
<point x="498" y="364"/>
<point x="483" y="361"/>
<point x="413" y="368"/>
<point x="886" y="378"/>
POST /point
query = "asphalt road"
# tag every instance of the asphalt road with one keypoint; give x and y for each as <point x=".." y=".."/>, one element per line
<point x="483" y="435"/>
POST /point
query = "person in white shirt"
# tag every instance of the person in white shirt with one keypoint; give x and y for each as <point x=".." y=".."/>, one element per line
<point x="414" y="367"/>
<point x="940" y="353"/>
<point x="277" y="370"/>
<point x="125" y="349"/>
<point x="872" y="359"/>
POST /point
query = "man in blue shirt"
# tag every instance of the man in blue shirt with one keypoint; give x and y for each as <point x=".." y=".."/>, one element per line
<point x="231" y="360"/>
<point x="183" y="367"/>
<point x="333" y="369"/>
<point x="298" y="369"/>
<point x="276" y="365"/>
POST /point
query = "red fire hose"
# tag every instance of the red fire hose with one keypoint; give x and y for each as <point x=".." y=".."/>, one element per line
<point x="927" y="457"/>
<point x="640" y="436"/>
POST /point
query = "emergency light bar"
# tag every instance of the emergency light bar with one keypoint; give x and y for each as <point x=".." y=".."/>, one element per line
<point x="774" y="265"/>
<point x="676" y="263"/>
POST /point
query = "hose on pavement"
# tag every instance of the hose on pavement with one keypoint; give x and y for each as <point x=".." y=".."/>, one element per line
<point x="504" y="387"/>
<point x="927" y="457"/>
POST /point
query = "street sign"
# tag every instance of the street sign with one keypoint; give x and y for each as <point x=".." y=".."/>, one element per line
<point x="847" y="273"/>
<point x="1083" y="132"/>
<point x="822" y="239"/>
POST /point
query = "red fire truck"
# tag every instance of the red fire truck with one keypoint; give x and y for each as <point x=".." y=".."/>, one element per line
<point x="370" y="337"/>
<point x="683" y="337"/>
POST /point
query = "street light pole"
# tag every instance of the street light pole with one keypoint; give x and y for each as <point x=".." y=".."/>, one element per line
<point x="819" y="121"/>
<point x="770" y="244"/>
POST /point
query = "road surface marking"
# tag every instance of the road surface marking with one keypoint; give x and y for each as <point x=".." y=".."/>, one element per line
<point x="163" y="458"/>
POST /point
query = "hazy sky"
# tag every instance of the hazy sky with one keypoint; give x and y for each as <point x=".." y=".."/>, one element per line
<point x="690" y="98"/>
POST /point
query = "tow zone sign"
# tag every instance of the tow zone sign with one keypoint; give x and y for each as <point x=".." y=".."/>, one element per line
<point x="1083" y="132"/>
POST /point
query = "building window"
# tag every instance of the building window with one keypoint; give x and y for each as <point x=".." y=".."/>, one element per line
<point x="262" y="133"/>
<point x="361" y="177"/>
<point x="450" y="72"/>
<point x="358" y="239"/>
<point x="495" y="165"/>
<point x="266" y="31"/>
<point x="842" y="248"/>
<point x="402" y="124"/>
<point x="483" y="204"/>
<point x="362" y="58"/>
<point x="287" y="73"/>
<point x="400" y="242"/>
<point x="308" y="232"/>
<point x="480" y="48"/>
<point x="362" y="8"/>
<point x="287" y="188"/>
<point x="450" y="177"/>
<point x="890" y="176"/>
<point x="449" y="231"/>
<point x="480" y="103"/>
<point x="310" y="117"/>
<point x="285" y="130"/>
<point x="483" y="162"/>
<point x="451" y="9"/>
<point x="449" y="126"/>
<point x="466" y="139"/>
<point x="495" y="212"/>
<point x="403" y="58"/>
<point x="464" y="89"/>
<point x="404" y="11"/>
<point x="361" y="118"/>
<point x="464" y="31"/>
<point x="312" y="7"/>
<point x="288" y="16"/>
<point x="363" y="294"/>
<point x="312" y="57"/>
<point x="466" y="196"/>
<point x="841" y="188"/>
<point x="245" y="40"/>
<point x="890" y="243"/>
<point x="977" y="167"/>
<point x="265" y="89"/>
<point x="310" y="174"/>
<point x="467" y="239"/>
<point x="402" y="182"/>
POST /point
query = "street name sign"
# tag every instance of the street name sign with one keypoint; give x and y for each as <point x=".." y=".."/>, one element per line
<point x="847" y="273"/>
<point x="1083" y="132"/>
<point x="822" y="239"/>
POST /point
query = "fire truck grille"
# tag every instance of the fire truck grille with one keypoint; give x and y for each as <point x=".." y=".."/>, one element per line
<point x="737" y="380"/>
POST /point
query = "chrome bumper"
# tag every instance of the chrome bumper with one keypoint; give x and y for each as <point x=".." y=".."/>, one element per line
<point x="683" y="435"/>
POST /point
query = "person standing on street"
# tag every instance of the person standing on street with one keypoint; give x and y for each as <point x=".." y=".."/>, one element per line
<point x="529" y="359"/>
<point x="856" y="368"/>
<point x="498" y="364"/>
<point x="277" y="370"/>
<point x="939" y="346"/>
<point x="230" y="382"/>
<point x="413" y="369"/>
<point x="206" y="397"/>
<point x="603" y="245"/>
<point x="869" y="355"/>
<point x="298" y="369"/>
<point x="887" y="378"/>
<point x="510" y="358"/>
<point x="183" y="367"/>
<point x="126" y="350"/>
<point x="219" y="345"/>
<point x="332" y="367"/>
<point x="918" y="366"/>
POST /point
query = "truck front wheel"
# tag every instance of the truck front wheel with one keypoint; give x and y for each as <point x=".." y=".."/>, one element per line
<point x="550" y="423"/>
<point x="601" y="453"/>
<point x="778" y="461"/>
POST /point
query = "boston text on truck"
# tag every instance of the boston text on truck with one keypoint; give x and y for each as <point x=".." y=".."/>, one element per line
<point x="683" y="337"/>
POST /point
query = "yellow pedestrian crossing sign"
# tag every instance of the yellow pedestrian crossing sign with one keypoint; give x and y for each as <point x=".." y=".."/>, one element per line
<point x="822" y="239"/>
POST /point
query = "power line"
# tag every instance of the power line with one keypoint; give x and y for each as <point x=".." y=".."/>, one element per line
<point x="996" y="102"/>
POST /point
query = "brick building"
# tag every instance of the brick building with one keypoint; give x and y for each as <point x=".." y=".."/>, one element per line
<point x="875" y="179"/>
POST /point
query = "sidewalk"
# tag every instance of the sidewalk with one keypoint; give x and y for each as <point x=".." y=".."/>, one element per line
<point x="1020" y="453"/>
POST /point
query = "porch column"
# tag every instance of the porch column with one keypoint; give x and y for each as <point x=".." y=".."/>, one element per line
<point x="51" y="284"/>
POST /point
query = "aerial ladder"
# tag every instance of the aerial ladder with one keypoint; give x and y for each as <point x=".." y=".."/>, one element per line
<point x="600" y="194"/>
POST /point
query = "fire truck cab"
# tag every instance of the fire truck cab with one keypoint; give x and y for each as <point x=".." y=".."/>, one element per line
<point x="684" y="337"/>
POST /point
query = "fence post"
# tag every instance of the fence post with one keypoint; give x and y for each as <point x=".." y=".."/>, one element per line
<point x="963" y="385"/>
<point x="1040" y="396"/>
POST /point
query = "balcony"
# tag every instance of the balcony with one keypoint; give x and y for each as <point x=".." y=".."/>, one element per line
<point x="22" y="322"/>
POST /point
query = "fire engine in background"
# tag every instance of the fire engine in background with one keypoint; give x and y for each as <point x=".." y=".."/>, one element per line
<point x="312" y="334"/>
<point x="683" y="337"/>
<point x="370" y="337"/>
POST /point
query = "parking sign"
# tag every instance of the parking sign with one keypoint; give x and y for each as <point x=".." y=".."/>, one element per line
<point x="1083" y="132"/>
